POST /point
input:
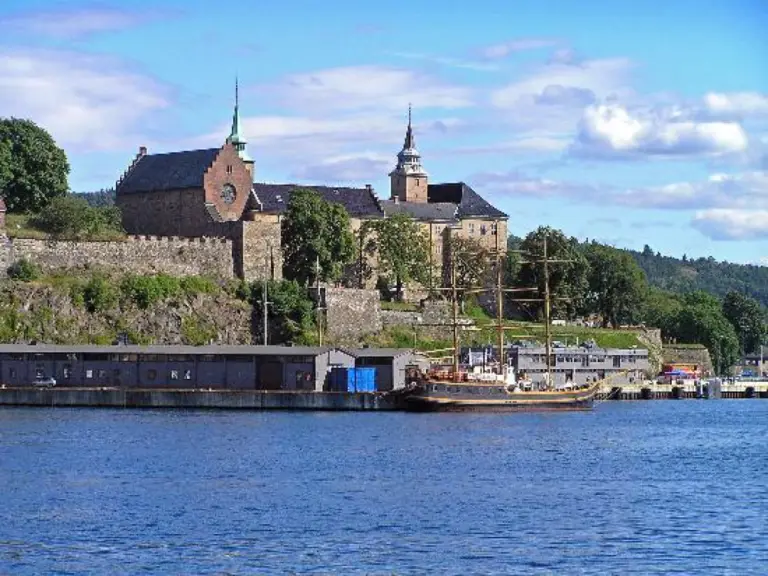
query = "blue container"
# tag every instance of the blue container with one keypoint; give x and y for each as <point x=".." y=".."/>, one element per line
<point x="366" y="379"/>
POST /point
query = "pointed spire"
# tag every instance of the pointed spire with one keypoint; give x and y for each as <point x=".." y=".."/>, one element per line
<point x="236" y="135"/>
<point x="409" y="141"/>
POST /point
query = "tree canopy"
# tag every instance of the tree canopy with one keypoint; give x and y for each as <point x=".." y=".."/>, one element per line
<point x="567" y="278"/>
<point x="617" y="285"/>
<point x="403" y="252"/>
<point x="747" y="318"/>
<point x="33" y="169"/>
<point x="72" y="217"/>
<point x="315" y="231"/>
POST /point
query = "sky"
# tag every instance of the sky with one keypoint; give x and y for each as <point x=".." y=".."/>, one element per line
<point x="630" y="123"/>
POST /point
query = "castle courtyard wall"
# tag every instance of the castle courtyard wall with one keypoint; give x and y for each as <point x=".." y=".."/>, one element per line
<point x="210" y="257"/>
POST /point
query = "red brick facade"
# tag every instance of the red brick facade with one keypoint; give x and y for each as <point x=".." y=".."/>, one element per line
<point x="229" y="169"/>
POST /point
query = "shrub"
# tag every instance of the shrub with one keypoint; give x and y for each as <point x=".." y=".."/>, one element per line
<point x="196" y="332"/>
<point x="192" y="285"/>
<point x="99" y="295"/>
<point x="24" y="270"/>
<point x="73" y="217"/>
<point x="146" y="290"/>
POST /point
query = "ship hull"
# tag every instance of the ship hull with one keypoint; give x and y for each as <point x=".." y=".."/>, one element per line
<point x="491" y="399"/>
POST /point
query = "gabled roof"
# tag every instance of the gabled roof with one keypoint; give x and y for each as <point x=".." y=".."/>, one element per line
<point x="445" y="211"/>
<point x="173" y="171"/>
<point x="471" y="204"/>
<point x="359" y="202"/>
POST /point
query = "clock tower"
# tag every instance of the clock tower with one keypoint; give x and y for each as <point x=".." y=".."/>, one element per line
<point x="409" y="180"/>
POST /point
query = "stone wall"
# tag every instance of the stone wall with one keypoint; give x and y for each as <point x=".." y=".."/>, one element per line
<point x="140" y="255"/>
<point x="689" y="355"/>
<point x="257" y="248"/>
<point x="351" y="312"/>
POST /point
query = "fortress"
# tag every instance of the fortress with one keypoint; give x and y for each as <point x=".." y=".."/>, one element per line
<point x="202" y="212"/>
<point x="213" y="193"/>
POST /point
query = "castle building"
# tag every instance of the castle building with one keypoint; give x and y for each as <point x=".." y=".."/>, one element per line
<point x="212" y="193"/>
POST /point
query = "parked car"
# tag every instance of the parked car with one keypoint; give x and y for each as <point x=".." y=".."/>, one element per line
<point x="44" y="382"/>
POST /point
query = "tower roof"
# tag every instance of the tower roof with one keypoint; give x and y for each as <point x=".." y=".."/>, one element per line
<point x="236" y="134"/>
<point x="409" y="159"/>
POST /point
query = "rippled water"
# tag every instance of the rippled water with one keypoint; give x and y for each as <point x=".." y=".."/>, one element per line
<point x="631" y="488"/>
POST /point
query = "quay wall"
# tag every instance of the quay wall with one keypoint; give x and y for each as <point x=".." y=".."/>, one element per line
<point x="175" y="256"/>
<point x="219" y="399"/>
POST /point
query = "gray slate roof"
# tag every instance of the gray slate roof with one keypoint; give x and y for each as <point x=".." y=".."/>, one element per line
<point x="471" y="204"/>
<point x="358" y="202"/>
<point x="445" y="211"/>
<point x="173" y="171"/>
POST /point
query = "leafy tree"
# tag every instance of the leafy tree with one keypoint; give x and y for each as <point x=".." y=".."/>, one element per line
<point x="748" y="319"/>
<point x="290" y="314"/>
<point x="661" y="311"/>
<point x="362" y="270"/>
<point x="71" y="216"/>
<point x="567" y="278"/>
<point x="38" y="167"/>
<point x="617" y="285"/>
<point x="403" y="252"/>
<point x="472" y="262"/>
<point x="701" y="321"/>
<point x="315" y="231"/>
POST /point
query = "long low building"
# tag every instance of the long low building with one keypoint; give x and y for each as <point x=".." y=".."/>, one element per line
<point x="192" y="367"/>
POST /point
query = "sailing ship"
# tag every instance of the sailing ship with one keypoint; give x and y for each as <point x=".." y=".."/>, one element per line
<point x="498" y="388"/>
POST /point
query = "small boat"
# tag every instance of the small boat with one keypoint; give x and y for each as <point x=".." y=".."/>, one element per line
<point x="488" y="392"/>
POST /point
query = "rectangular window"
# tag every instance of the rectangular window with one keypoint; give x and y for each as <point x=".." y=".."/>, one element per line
<point x="494" y="227"/>
<point x="229" y="169"/>
<point x="471" y="227"/>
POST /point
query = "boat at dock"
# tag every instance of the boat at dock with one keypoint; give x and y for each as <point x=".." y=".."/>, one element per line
<point x="496" y="388"/>
<point x="469" y="391"/>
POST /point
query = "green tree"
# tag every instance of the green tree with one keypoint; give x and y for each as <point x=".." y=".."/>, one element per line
<point x="473" y="264"/>
<point x="290" y="314"/>
<point x="748" y="319"/>
<point x="362" y="270"/>
<point x="661" y="311"/>
<point x="403" y="252"/>
<point x="567" y="279"/>
<point x="701" y="321"/>
<point x="72" y="216"/>
<point x="617" y="285"/>
<point x="315" y="231"/>
<point x="38" y="168"/>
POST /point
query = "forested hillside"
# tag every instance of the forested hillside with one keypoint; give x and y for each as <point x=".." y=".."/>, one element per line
<point x="707" y="274"/>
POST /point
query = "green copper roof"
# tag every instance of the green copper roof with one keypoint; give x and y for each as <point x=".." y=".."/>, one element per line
<point x="235" y="136"/>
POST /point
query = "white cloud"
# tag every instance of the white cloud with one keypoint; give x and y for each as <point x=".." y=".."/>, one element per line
<point x="732" y="224"/>
<point x="448" y="61"/>
<point x="602" y="78"/>
<point x="349" y="168"/>
<point x="736" y="103"/>
<point x="70" y="23"/>
<point x="504" y="49"/>
<point x="86" y="102"/>
<point x="613" y="131"/>
<point x="719" y="191"/>
<point x="367" y="88"/>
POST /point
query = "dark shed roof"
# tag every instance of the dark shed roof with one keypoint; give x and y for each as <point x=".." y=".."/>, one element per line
<point x="358" y="201"/>
<point x="173" y="171"/>
<point x="165" y="349"/>
<point x="418" y="210"/>
<point x="471" y="204"/>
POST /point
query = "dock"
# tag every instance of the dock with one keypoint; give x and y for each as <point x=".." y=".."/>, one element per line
<point x="687" y="390"/>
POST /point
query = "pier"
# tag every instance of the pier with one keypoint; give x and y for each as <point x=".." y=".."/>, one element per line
<point x="686" y="390"/>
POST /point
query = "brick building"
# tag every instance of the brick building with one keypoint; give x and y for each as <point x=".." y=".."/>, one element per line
<point x="211" y="193"/>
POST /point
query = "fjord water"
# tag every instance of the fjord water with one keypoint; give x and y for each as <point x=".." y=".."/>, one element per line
<point x="631" y="488"/>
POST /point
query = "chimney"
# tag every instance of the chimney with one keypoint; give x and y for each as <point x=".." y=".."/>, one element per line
<point x="368" y="188"/>
<point x="142" y="151"/>
<point x="396" y="198"/>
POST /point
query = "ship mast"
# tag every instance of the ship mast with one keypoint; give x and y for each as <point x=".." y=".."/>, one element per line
<point x="455" y="323"/>
<point x="547" y="322"/>
<point x="499" y="304"/>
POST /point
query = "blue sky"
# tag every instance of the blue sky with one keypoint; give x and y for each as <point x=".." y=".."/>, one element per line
<point x="644" y="123"/>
